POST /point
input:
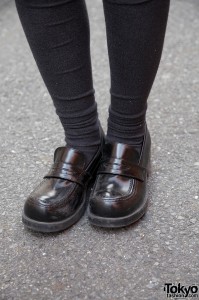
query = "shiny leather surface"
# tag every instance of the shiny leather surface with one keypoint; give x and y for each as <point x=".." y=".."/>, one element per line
<point x="120" y="185"/>
<point x="61" y="191"/>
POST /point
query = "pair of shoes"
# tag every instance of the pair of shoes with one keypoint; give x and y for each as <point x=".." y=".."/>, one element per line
<point x="118" y="198"/>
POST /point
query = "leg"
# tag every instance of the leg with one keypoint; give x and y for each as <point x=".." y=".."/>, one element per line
<point x="58" y="35"/>
<point x="135" y="35"/>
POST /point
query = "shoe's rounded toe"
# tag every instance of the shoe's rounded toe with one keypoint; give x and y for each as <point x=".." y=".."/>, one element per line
<point x="111" y="204"/>
<point x="38" y="212"/>
<point x="103" y="207"/>
<point x="50" y="201"/>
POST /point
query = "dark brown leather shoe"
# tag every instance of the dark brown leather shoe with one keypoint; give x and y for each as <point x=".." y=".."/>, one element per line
<point x="119" y="196"/>
<point x="61" y="198"/>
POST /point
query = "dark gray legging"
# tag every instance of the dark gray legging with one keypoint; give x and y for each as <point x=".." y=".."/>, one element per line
<point x="58" y="35"/>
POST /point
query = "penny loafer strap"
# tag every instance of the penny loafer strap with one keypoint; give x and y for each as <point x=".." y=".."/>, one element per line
<point x="119" y="167"/>
<point x="68" y="172"/>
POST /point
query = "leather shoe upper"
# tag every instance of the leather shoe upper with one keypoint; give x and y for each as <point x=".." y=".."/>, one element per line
<point x="120" y="185"/>
<point x="60" y="193"/>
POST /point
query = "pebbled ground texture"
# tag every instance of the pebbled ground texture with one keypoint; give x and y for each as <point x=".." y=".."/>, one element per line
<point x="85" y="262"/>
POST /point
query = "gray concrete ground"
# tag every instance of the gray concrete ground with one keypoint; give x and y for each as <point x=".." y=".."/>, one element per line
<point x="86" y="262"/>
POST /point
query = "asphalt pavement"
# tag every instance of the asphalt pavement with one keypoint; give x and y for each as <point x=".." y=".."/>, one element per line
<point x="86" y="262"/>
